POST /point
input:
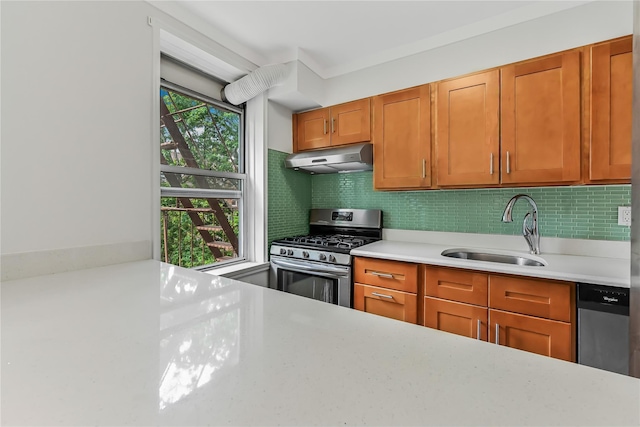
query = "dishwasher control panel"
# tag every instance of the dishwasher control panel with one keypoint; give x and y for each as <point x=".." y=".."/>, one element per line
<point x="613" y="297"/>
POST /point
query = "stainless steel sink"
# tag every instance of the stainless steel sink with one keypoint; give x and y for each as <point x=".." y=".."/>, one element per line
<point x="493" y="257"/>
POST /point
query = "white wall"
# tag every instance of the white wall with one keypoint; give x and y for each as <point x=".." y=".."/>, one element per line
<point x="571" y="28"/>
<point x="76" y="114"/>
<point x="78" y="84"/>
<point x="279" y="131"/>
<point x="579" y="26"/>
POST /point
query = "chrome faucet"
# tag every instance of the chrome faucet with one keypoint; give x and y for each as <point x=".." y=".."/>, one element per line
<point x="530" y="233"/>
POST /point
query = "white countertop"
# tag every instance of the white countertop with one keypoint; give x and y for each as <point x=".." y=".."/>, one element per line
<point x="588" y="269"/>
<point x="146" y="343"/>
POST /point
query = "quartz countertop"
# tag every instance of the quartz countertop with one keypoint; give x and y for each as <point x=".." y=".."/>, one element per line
<point x="587" y="269"/>
<point x="147" y="343"/>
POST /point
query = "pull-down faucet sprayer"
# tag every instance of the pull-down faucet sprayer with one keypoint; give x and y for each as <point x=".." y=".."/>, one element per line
<point x="530" y="233"/>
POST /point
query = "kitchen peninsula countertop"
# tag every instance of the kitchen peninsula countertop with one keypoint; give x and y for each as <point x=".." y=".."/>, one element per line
<point x="147" y="343"/>
<point x="587" y="269"/>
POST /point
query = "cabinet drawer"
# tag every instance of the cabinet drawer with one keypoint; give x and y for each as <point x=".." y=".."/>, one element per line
<point x="401" y="276"/>
<point x="457" y="285"/>
<point x="542" y="298"/>
<point x="384" y="302"/>
<point x="457" y="318"/>
<point x="541" y="336"/>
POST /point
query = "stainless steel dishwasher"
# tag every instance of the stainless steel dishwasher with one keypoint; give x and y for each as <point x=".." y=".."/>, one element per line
<point x="603" y="327"/>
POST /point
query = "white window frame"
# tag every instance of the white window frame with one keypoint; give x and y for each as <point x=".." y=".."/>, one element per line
<point x="253" y="230"/>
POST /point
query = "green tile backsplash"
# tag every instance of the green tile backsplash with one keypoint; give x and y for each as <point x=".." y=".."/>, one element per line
<point x="579" y="212"/>
<point x="289" y="198"/>
<point x="584" y="212"/>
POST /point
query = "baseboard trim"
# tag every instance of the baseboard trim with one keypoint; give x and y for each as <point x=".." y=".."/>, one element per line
<point x="31" y="264"/>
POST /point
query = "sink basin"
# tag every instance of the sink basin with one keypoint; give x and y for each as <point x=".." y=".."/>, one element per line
<point x="476" y="255"/>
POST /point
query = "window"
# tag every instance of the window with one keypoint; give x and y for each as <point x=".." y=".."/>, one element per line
<point x="202" y="178"/>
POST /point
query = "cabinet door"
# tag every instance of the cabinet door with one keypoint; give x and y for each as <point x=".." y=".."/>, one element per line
<point x="385" y="302"/>
<point x="467" y="138"/>
<point x="540" y="118"/>
<point x="402" y="139"/>
<point x="351" y="122"/>
<point x="541" y="336"/>
<point x="313" y="130"/>
<point x="461" y="319"/>
<point x="611" y="80"/>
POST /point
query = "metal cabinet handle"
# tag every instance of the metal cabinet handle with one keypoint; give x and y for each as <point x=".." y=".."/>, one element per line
<point x="508" y="163"/>
<point x="479" y="328"/>
<point x="375" y="294"/>
<point x="497" y="334"/>
<point x="424" y="168"/>
<point x="333" y="125"/>
<point x="325" y="127"/>
<point x="491" y="164"/>
<point x="385" y="275"/>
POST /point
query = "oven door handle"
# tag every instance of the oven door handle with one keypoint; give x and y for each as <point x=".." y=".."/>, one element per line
<point x="309" y="269"/>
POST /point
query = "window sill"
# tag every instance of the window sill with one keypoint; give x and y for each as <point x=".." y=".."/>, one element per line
<point x="240" y="270"/>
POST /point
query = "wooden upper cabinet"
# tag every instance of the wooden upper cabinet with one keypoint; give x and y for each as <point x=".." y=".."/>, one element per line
<point x="313" y="129"/>
<point x="467" y="130"/>
<point x="540" y="117"/>
<point x="611" y="94"/>
<point x="402" y="139"/>
<point x="351" y="122"/>
<point x="348" y="123"/>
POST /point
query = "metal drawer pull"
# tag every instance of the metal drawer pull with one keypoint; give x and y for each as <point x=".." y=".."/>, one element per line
<point x="479" y="327"/>
<point x="497" y="334"/>
<point x="375" y="294"/>
<point x="508" y="163"/>
<point x="491" y="164"/>
<point x="333" y="125"/>
<point x="325" y="127"/>
<point x="385" y="275"/>
<point x="424" y="168"/>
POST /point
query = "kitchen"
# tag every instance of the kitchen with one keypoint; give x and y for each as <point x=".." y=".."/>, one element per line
<point x="99" y="225"/>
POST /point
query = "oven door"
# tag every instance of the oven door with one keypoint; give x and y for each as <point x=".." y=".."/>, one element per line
<point x="323" y="282"/>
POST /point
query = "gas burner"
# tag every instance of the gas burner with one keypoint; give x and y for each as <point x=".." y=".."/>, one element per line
<point x="330" y="241"/>
<point x="336" y="231"/>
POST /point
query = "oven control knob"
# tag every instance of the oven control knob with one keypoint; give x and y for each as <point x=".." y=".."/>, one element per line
<point x="322" y="257"/>
<point x="305" y="254"/>
<point x="290" y="252"/>
<point x="332" y="258"/>
<point x="283" y="251"/>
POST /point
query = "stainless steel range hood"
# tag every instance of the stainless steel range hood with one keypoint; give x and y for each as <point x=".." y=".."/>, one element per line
<point x="350" y="158"/>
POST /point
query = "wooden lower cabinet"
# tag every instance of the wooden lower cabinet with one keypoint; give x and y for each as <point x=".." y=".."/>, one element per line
<point x="455" y="317"/>
<point x="550" y="299"/>
<point x="386" y="302"/>
<point x="453" y="284"/>
<point x="382" y="273"/>
<point x="542" y="336"/>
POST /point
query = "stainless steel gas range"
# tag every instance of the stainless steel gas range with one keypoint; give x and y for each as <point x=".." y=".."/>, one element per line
<point x="318" y="265"/>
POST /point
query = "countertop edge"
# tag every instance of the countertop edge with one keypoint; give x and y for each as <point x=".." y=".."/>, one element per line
<point x="561" y="267"/>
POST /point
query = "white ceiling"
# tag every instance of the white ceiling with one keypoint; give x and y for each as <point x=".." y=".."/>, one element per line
<point x="338" y="37"/>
